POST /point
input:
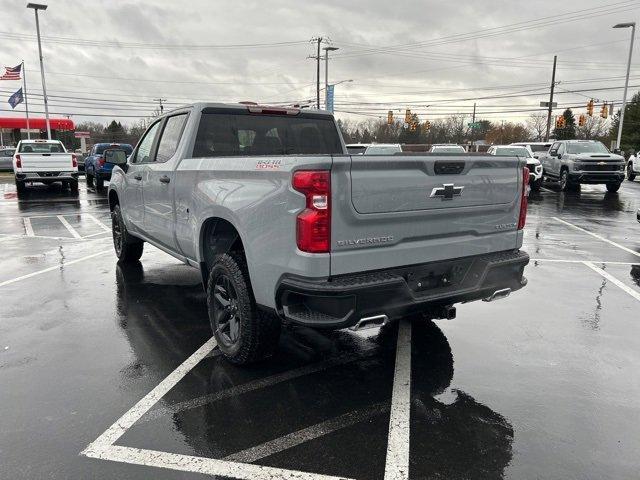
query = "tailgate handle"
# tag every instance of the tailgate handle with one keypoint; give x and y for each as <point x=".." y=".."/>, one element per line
<point x="448" y="168"/>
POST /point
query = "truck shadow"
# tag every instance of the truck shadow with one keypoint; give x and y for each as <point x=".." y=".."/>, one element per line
<point x="315" y="379"/>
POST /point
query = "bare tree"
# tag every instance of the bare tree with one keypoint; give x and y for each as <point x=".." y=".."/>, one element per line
<point x="537" y="123"/>
<point x="596" y="127"/>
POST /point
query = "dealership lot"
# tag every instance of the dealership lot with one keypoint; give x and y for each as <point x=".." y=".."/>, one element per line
<point x="110" y="371"/>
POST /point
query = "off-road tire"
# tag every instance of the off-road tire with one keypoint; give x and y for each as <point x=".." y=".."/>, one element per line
<point x="99" y="183"/>
<point x="613" y="187"/>
<point x="73" y="186"/>
<point x="258" y="331"/>
<point x="89" y="179"/>
<point x="128" y="248"/>
<point x="630" y="175"/>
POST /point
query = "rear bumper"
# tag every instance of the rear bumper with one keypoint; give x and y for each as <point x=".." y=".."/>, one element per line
<point x="103" y="175"/>
<point x="46" y="177"/>
<point x="596" y="177"/>
<point x="341" y="301"/>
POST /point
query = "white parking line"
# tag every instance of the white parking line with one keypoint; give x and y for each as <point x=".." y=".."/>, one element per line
<point x="97" y="222"/>
<point x="27" y="227"/>
<point x="103" y="447"/>
<point x="260" y="383"/>
<point x="614" y="280"/>
<point x="397" y="463"/>
<point x="294" y="439"/>
<point x="599" y="237"/>
<point x="202" y="465"/>
<point x="68" y="226"/>
<point x="115" y="431"/>
<point x="559" y="260"/>
<point x="55" y="267"/>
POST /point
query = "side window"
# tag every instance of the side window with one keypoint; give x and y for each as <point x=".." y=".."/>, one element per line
<point x="561" y="149"/>
<point x="554" y="148"/>
<point x="146" y="144"/>
<point x="170" y="137"/>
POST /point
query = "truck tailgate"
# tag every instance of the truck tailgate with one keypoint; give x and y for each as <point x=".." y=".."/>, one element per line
<point x="390" y="211"/>
<point x="46" y="162"/>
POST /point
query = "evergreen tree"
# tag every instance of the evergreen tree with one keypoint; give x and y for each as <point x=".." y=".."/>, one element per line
<point x="630" y="140"/>
<point x="569" y="130"/>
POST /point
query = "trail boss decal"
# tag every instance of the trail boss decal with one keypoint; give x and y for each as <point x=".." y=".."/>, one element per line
<point x="269" y="164"/>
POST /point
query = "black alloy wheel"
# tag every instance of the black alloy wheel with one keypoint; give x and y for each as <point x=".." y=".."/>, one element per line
<point x="226" y="317"/>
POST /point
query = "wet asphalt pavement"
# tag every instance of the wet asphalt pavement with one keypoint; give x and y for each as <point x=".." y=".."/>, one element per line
<point x="117" y="363"/>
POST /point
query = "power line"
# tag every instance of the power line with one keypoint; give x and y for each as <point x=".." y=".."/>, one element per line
<point x="151" y="46"/>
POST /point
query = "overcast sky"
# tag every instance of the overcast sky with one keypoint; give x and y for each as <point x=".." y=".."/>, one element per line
<point x="112" y="58"/>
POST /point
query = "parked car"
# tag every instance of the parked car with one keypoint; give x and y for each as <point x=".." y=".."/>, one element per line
<point x="633" y="166"/>
<point x="535" y="148"/>
<point x="447" y="148"/>
<point x="284" y="225"/>
<point x="96" y="169"/>
<point x="383" y="149"/>
<point x="576" y="162"/>
<point x="44" y="161"/>
<point x="357" y="148"/>
<point x="533" y="164"/>
<point x="6" y="158"/>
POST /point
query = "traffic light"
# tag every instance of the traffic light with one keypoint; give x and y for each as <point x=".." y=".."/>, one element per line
<point x="560" y="122"/>
<point x="413" y="126"/>
<point x="389" y="117"/>
<point x="604" y="111"/>
<point x="427" y="125"/>
<point x="582" y="120"/>
<point x="590" y="108"/>
<point x="407" y="116"/>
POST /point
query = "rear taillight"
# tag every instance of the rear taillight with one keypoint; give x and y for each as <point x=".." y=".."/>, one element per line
<point x="313" y="224"/>
<point x="74" y="161"/>
<point x="18" y="161"/>
<point x="524" y="197"/>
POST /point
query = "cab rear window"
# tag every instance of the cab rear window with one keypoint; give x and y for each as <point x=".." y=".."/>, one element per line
<point x="37" y="147"/>
<point x="225" y="134"/>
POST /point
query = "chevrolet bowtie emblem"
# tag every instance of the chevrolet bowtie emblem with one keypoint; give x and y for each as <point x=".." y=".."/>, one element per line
<point x="447" y="191"/>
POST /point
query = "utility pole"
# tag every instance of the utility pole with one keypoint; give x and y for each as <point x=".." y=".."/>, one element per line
<point x="553" y="84"/>
<point x="160" y="100"/>
<point x="473" y="124"/>
<point x="319" y="40"/>
<point x="326" y="74"/>
<point x="626" y="82"/>
<point x="36" y="7"/>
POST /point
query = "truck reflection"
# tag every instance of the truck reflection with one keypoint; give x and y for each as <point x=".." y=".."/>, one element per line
<point x="223" y="411"/>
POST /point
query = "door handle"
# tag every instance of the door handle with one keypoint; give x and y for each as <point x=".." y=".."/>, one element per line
<point x="137" y="177"/>
<point x="164" y="179"/>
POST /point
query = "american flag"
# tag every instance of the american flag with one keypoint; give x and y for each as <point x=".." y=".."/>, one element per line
<point x="12" y="73"/>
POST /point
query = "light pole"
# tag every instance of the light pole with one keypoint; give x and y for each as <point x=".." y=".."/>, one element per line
<point x="626" y="82"/>
<point x="36" y="7"/>
<point x="326" y="74"/>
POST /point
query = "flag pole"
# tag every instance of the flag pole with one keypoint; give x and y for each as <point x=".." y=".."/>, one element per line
<point x="26" y="103"/>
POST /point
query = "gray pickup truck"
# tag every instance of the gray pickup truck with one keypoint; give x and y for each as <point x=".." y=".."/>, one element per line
<point x="286" y="227"/>
<point x="576" y="162"/>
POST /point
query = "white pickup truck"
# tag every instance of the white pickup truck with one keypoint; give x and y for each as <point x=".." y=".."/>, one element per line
<point x="44" y="161"/>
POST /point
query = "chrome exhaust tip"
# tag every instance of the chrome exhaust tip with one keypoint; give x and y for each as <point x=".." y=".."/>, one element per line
<point x="370" y="322"/>
<point x="498" y="295"/>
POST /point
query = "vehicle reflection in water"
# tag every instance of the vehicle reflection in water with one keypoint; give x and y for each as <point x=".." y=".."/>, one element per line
<point x="37" y="195"/>
<point x="223" y="411"/>
<point x="590" y="201"/>
<point x="635" y="274"/>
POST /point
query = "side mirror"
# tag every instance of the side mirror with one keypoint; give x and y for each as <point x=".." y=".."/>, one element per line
<point x="559" y="156"/>
<point x="115" y="157"/>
